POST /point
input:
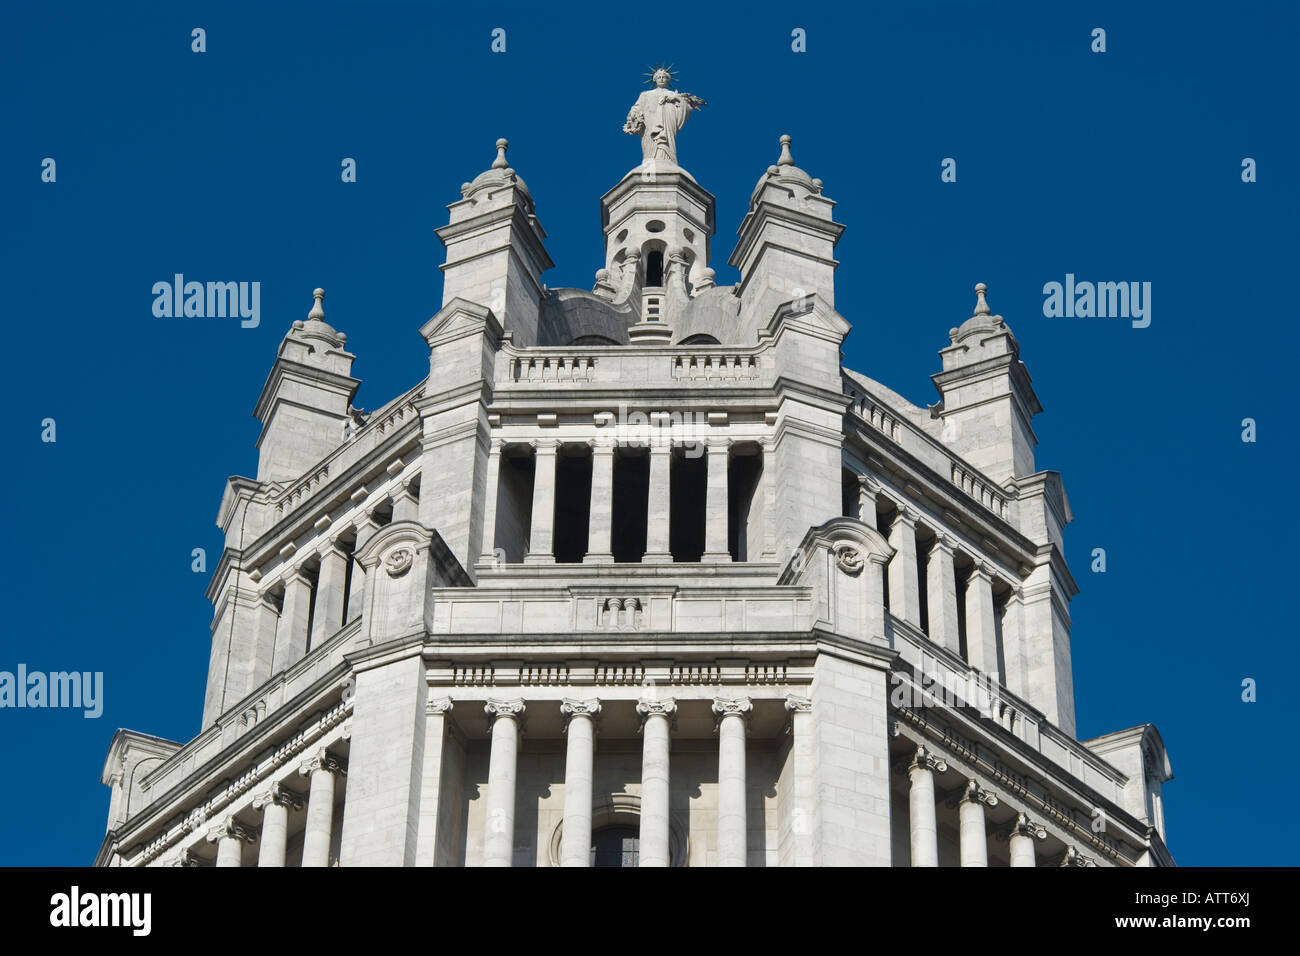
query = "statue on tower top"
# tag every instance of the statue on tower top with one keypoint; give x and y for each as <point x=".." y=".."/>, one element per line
<point x="657" y="116"/>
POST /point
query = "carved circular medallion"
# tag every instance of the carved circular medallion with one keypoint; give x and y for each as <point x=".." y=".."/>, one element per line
<point x="399" y="561"/>
<point x="848" y="559"/>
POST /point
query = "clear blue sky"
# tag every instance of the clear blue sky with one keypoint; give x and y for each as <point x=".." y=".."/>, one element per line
<point x="225" y="166"/>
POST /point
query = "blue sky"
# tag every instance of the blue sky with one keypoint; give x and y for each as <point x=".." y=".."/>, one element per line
<point x="1122" y="166"/>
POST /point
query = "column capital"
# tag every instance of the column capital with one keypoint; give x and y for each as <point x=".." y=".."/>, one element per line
<point x="665" y="707"/>
<point x="943" y="543"/>
<point x="230" y="828"/>
<point x="981" y="568"/>
<point x="972" y="792"/>
<point x="1072" y="857"/>
<point x="186" y="858"/>
<point x="717" y="445"/>
<point x="1021" y="825"/>
<point x="511" y="709"/>
<point x="438" y="705"/>
<point x="322" y="760"/>
<point x="495" y="446"/>
<point x="602" y="445"/>
<point x="798" y="704"/>
<point x="724" y="707"/>
<point x="279" y="795"/>
<point x="906" y="515"/>
<point x="545" y="446"/>
<point x="571" y="707"/>
<point x="925" y="759"/>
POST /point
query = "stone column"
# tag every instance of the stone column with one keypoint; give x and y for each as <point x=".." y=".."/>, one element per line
<point x="731" y="714"/>
<point x="657" y="716"/>
<point x="406" y="500"/>
<point x="867" y="489"/>
<point x="321" y="769"/>
<point x="1022" y="833"/>
<point x="904" y="582"/>
<point x="981" y="635"/>
<point x="328" y="616"/>
<point x="941" y="594"/>
<point x="970" y="803"/>
<point x="291" y="632"/>
<point x="488" y="548"/>
<point x="920" y="803"/>
<point x="800" y="819"/>
<point x="541" y="549"/>
<point x="659" y="503"/>
<point x="357" y="589"/>
<point x="229" y="837"/>
<point x="715" y="501"/>
<point x="601" y="524"/>
<point x="275" y="805"/>
<point x="505" y="717"/>
<point x="769" y="500"/>
<point x="575" y="844"/>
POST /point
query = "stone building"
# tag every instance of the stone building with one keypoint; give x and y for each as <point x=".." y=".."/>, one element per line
<point x="642" y="575"/>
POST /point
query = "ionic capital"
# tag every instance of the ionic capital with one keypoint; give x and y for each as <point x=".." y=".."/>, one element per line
<point x="570" y="708"/>
<point x="438" y="705"/>
<point x="278" y="795"/>
<point x="973" y="793"/>
<point x="231" y="829"/>
<point x="322" y="761"/>
<point x="509" y="709"/>
<point x="1022" y="826"/>
<point x="724" y="707"/>
<point x="798" y="704"/>
<point x="943" y="544"/>
<point x="665" y="707"/>
<point x="925" y="759"/>
<point x="1072" y="857"/>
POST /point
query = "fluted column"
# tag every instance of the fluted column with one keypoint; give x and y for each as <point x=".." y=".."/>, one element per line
<point x="868" y="487"/>
<point x="575" y="843"/>
<point x="275" y="805"/>
<point x="328" y="616"/>
<point x="971" y="827"/>
<point x="981" y="636"/>
<point x="920" y="804"/>
<point x="732" y="715"/>
<point x="505" y="716"/>
<point x="658" y="503"/>
<point x="600" y="527"/>
<point x="715" y="501"/>
<point x="941" y="594"/>
<point x="229" y="837"/>
<point x="541" y="548"/>
<point x="488" y="549"/>
<point x="291" y="631"/>
<point x="1022" y="833"/>
<point x="321" y="769"/>
<point x="904" y="582"/>
<point x="657" y="715"/>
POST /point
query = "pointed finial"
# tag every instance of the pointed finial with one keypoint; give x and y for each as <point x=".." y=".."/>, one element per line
<point x="981" y="306"/>
<point x="500" y="161"/>
<point x="786" y="159"/>
<point x="317" y="312"/>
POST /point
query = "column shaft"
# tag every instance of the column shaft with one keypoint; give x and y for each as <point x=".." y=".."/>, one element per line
<point x="941" y="596"/>
<point x="715" y="503"/>
<point x="291" y="632"/>
<point x="499" y="822"/>
<point x="732" y="835"/>
<point x="275" y="835"/>
<point x="981" y="633"/>
<point x="541" y="548"/>
<point x="655" y="734"/>
<point x="921" y="812"/>
<point x="319" y="830"/>
<point x="974" y="836"/>
<point x="488" y="548"/>
<point x="1022" y="850"/>
<point x="658" y="505"/>
<point x="328" y="615"/>
<point x="601" y="525"/>
<point x="575" y="844"/>
<point x="904" y="582"/>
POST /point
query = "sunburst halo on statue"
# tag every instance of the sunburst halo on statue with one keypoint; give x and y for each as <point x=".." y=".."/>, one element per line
<point x="667" y="68"/>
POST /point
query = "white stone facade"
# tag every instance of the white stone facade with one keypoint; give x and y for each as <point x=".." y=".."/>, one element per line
<point x="644" y="576"/>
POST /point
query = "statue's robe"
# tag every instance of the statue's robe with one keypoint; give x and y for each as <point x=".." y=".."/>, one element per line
<point x="657" y="115"/>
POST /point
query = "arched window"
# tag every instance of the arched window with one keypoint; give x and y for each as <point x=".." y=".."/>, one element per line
<point x="593" y="340"/>
<point x="615" y="845"/>
<point x="654" y="269"/>
<point x="701" y="338"/>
